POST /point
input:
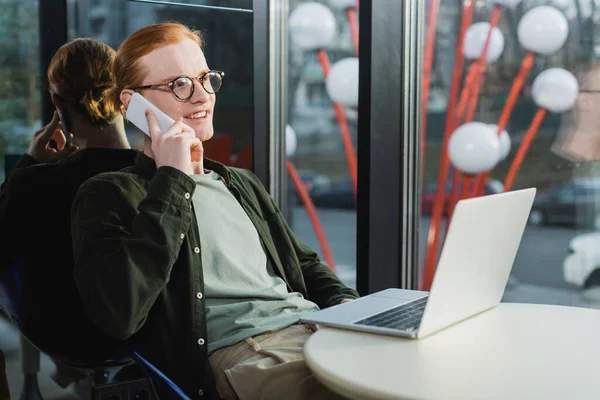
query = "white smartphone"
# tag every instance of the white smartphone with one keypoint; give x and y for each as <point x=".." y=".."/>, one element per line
<point x="136" y="114"/>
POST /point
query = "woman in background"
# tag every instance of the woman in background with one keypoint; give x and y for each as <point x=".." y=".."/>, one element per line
<point x="35" y="203"/>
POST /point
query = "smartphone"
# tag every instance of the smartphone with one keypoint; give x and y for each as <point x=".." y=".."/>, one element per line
<point x="65" y="121"/>
<point x="136" y="114"/>
<point x="65" y="125"/>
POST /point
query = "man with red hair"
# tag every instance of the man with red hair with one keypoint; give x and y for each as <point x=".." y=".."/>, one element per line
<point x="191" y="260"/>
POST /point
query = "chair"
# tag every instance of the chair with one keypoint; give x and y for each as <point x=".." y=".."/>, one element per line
<point x="162" y="384"/>
<point x="219" y="148"/>
<point x="103" y="373"/>
<point x="245" y="158"/>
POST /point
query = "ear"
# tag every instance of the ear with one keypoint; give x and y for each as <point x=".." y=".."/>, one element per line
<point x="58" y="102"/>
<point x="125" y="96"/>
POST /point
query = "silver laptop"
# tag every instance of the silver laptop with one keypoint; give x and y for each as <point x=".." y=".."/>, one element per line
<point x="474" y="266"/>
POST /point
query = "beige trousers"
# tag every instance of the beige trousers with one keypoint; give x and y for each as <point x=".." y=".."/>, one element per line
<point x="269" y="366"/>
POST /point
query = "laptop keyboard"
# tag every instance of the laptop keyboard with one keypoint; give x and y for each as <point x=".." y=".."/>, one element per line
<point x="406" y="317"/>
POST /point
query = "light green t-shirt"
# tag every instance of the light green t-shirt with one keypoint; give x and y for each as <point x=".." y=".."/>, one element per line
<point x="244" y="297"/>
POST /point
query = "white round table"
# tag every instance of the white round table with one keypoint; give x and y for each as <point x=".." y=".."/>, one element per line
<point x="512" y="352"/>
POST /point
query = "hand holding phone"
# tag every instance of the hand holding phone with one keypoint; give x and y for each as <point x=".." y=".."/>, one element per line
<point x="174" y="144"/>
<point x="136" y="114"/>
<point x="177" y="147"/>
<point x="40" y="146"/>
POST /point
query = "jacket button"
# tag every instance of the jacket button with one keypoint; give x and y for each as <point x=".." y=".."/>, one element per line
<point x="182" y="236"/>
<point x="187" y="196"/>
<point x="200" y="393"/>
<point x="199" y="295"/>
<point x="201" y="342"/>
<point x="196" y="250"/>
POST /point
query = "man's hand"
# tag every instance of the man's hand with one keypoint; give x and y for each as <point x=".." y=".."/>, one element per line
<point x="346" y="301"/>
<point x="178" y="147"/>
<point x="40" y="149"/>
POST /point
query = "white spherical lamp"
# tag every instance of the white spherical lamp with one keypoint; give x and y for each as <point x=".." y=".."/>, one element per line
<point x="291" y="141"/>
<point x="342" y="82"/>
<point x="312" y="26"/>
<point x="474" y="148"/>
<point x="543" y="30"/>
<point x="475" y="39"/>
<point x="555" y="89"/>
<point x="505" y="142"/>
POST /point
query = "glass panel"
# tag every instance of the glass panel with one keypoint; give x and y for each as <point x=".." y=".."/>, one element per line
<point x="215" y="4"/>
<point x="20" y="109"/>
<point x="558" y="261"/>
<point x="321" y="134"/>
<point x="228" y="47"/>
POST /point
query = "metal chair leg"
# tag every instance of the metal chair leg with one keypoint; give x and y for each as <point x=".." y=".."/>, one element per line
<point x="30" y="365"/>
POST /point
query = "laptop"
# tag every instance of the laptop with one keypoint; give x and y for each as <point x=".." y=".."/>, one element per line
<point x="473" y="269"/>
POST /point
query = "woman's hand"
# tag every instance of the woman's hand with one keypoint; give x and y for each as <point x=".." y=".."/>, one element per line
<point x="40" y="149"/>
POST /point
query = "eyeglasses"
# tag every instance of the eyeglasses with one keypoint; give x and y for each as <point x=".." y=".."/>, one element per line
<point x="183" y="87"/>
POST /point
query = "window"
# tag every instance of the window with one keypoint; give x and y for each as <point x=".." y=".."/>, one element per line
<point x="560" y="249"/>
<point x="19" y="79"/>
<point x="566" y="194"/>
<point x="228" y="46"/>
<point x="241" y="4"/>
<point x="316" y="142"/>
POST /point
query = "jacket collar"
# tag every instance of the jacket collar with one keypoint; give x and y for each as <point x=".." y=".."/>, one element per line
<point x="146" y="167"/>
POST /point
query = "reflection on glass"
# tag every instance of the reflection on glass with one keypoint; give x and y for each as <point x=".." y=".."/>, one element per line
<point x="321" y="134"/>
<point x="19" y="79"/>
<point x="228" y="47"/>
<point x="530" y="109"/>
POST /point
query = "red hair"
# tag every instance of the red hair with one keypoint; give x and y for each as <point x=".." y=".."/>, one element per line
<point x="127" y="70"/>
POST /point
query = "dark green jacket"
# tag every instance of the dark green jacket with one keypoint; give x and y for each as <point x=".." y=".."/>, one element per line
<point x="138" y="262"/>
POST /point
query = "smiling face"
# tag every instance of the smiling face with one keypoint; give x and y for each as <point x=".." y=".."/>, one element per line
<point x="164" y="64"/>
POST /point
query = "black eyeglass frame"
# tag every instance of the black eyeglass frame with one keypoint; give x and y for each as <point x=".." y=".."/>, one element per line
<point x="200" y="79"/>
